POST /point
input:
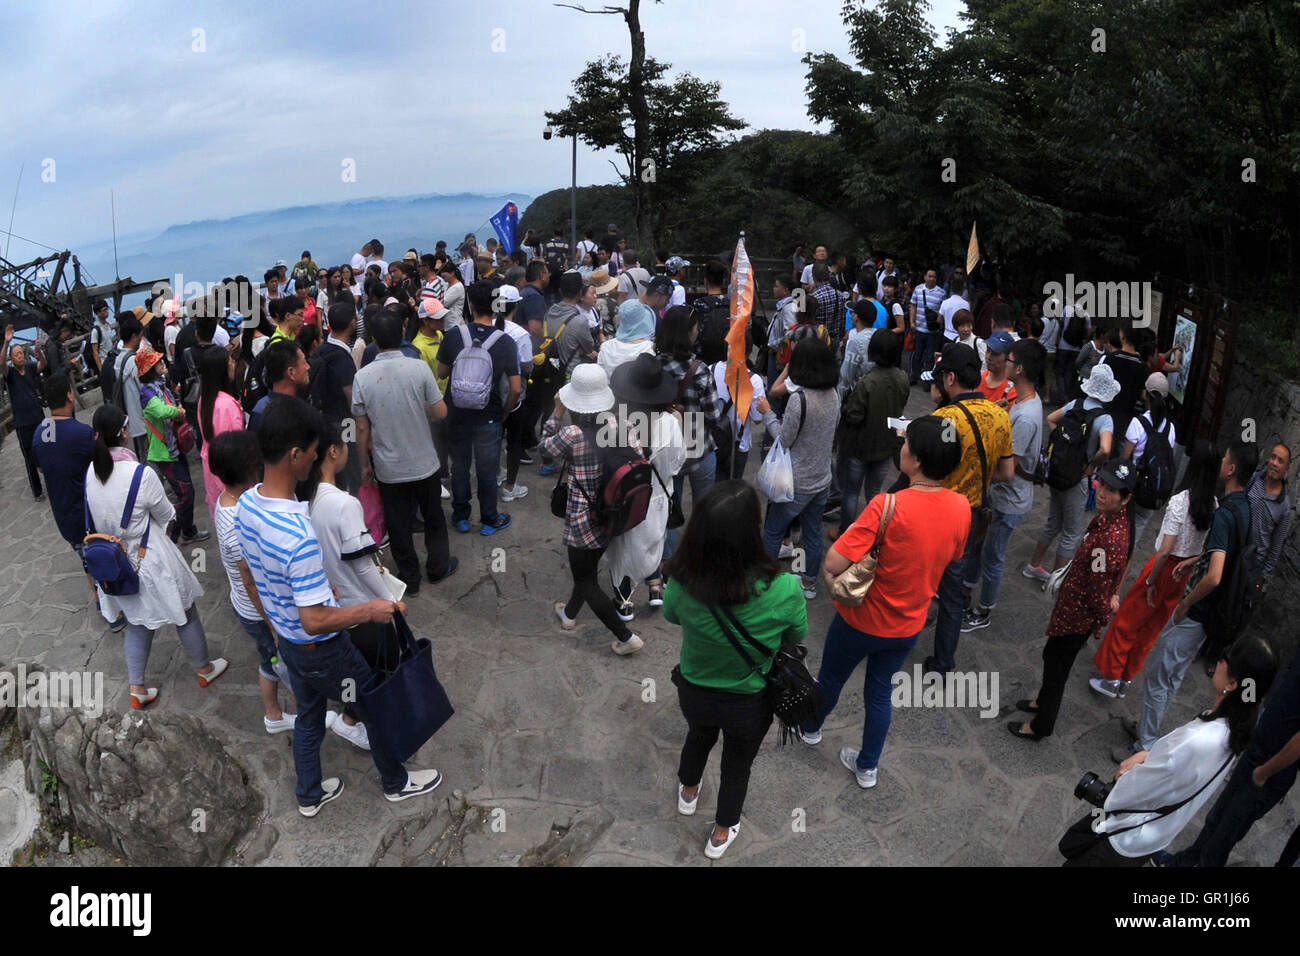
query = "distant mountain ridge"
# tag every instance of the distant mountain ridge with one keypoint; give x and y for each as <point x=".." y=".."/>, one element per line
<point x="249" y="244"/>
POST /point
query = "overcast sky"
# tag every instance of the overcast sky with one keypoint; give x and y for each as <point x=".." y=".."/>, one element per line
<point x="118" y="97"/>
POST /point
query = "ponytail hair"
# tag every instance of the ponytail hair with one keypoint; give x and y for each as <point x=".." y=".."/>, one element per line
<point x="1252" y="663"/>
<point x="108" y="423"/>
<point x="1156" y="406"/>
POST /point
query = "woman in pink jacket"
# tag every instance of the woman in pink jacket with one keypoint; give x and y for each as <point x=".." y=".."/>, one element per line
<point x="219" y="411"/>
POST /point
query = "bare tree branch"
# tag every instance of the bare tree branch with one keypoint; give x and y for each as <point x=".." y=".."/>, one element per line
<point x="621" y="11"/>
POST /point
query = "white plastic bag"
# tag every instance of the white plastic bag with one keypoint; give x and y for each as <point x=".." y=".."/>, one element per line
<point x="776" y="475"/>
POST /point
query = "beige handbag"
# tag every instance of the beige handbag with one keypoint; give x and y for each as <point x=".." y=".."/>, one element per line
<point x="850" y="588"/>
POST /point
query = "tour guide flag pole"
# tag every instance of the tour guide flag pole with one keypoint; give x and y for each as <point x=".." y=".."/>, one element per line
<point x="505" y="222"/>
<point x="742" y="305"/>
<point x="972" y="250"/>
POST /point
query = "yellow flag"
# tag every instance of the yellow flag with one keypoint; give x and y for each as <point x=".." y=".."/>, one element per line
<point x="972" y="251"/>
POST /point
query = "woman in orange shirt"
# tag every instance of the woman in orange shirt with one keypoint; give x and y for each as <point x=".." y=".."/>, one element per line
<point x="925" y="534"/>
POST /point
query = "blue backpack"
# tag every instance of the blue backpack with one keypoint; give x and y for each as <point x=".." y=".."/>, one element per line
<point x="104" y="556"/>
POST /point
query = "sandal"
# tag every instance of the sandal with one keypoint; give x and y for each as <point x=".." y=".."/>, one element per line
<point x="219" y="667"/>
<point x="144" y="700"/>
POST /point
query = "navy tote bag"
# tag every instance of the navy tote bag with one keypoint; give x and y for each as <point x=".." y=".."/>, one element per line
<point x="405" y="704"/>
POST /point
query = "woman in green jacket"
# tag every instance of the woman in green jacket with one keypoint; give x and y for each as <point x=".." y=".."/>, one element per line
<point x="722" y="572"/>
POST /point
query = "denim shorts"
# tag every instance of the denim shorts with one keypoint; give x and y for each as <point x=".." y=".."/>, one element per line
<point x="261" y="635"/>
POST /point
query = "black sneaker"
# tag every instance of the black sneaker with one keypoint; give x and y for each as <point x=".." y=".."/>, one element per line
<point x="975" y="620"/>
<point x="499" y="523"/>
<point x="452" y="565"/>
<point x="332" y="787"/>
<point x="525" y="460"/>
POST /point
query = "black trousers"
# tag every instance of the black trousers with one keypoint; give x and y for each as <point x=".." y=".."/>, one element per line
<point x="743" y="720"/>
<point x="401" y="501"/>
<point x="26" y="434"/>
<point x="583" y="564"/>
<point x="538" y="403"/>
<point x="1235" y="811"/>
<point x="514" y="441"/>
<point x="1058" y="657"/>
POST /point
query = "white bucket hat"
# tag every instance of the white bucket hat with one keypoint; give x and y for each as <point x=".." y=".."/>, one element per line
<point x="588" y="392"/>
<point x="1101" y="385"/>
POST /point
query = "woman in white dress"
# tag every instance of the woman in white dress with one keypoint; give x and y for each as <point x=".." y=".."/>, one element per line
<point x="644" y="390"/>
<point x="168" y="588"/>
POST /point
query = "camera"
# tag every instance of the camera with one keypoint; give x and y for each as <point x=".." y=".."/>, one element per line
<point x="1092" y="789"/>
<point x="548" y="133"/>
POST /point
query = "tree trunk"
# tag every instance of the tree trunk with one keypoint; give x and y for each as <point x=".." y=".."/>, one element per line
<point x="642" y="191"/>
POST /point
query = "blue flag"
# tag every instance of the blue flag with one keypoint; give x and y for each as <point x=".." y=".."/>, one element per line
<point x="505" y="223"/>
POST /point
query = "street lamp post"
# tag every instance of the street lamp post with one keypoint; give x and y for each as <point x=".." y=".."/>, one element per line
<point x="573" y="194"/>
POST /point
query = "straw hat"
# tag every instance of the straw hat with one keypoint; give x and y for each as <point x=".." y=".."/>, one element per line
<point x="588" y="391"/>
<point x="600" y="278"/>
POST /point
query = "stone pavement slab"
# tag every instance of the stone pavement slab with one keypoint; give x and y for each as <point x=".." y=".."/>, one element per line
<point x="577" y="748"/>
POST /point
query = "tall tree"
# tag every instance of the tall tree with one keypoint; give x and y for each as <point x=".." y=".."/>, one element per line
<point x="664" y="131"/>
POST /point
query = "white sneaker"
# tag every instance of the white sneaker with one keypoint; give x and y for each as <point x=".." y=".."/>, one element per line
<point x="866" y="778"/>
<point x="566" y="622"/>
<point x="501" y="477"/>
<point x="418" y="783"/>
<point x="687" y="808"/>
<point x="331" y="718"/>
<point x="630" y="646"/>
<point x="1108" y="688"/>
<point x="786" y="553"/>
<point x="332" y="787"/>
<point x="811" y="739"/>
<point x="356" y="734"/>
<point x="713" y="851"/>
<point x="1035" y="573"/>
<point x="285" y="723"/>
<point x="446" y="495"/>
<point x="511" y="494"/>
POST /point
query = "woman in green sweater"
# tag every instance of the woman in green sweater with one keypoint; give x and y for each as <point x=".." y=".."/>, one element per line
<point x="721" y="571"/>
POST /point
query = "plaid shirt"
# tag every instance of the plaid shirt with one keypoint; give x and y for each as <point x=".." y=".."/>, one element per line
<point x="582" y="474"/>
<point x="699" y="396"/>
<point x="829" y="312"/>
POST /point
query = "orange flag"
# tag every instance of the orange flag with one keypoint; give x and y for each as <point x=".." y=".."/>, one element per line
<point x="742" y="304"/>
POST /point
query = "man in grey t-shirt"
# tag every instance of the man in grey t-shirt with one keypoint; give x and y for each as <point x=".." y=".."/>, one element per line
<point x="1011" y="500"/>
<point x="393" y="399"/>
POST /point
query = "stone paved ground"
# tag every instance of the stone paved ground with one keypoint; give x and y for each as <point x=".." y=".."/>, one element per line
<point x="555" y="755"/>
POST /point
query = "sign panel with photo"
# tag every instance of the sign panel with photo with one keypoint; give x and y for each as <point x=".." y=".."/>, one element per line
<point x="1184" y="339"/>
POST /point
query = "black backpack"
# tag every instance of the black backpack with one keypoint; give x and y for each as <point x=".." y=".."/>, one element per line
<point x="254" y="383"/>
<point x="715" y="323"/>
<point x="318" y="373"/>
<point x="1076" y="330"/>
<point x="114" y="392"/>
<point x="1234" y="598"/>
<point x="1155" y="467"/>
<point x="1066" y="458"/>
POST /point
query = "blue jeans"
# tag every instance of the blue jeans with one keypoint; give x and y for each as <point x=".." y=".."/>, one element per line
<point x="854" y="473"/>
<point x="483" y="442"/>
<point x="319" y="675"/>
<point x="1174" y="651"/>
<point x="261" y="635"/>
<point x="807" y="509"/>
<point x="947" y="628"/>
<point x="702" y="475"/>
<point x="993" y="557"/>
<point x="844" y="650"/>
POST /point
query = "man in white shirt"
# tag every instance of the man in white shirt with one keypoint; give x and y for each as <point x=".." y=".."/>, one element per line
<point x="951" y="305"/>
<point x="805" y="278"/>
<point x="361" y="259"/>
<point x="676" y="269"/>
<point x="585" y="245"/>
<point x="377" y="258"/>
<point x="887" y="269"/>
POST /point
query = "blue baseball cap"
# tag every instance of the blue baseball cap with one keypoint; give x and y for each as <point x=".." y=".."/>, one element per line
<point x="1001" y="342"/>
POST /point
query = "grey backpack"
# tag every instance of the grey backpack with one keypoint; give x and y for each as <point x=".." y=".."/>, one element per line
<point x="471" y="372"/>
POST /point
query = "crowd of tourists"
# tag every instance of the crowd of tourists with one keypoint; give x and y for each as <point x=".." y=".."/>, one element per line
<point x="329" y="411"/>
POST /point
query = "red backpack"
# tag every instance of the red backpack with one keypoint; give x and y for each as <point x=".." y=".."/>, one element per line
<point x="626" y="483"/>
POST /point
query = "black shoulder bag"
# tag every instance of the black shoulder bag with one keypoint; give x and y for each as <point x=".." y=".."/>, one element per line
<point x="792" y="693"/>
<point x="980" y="517"/>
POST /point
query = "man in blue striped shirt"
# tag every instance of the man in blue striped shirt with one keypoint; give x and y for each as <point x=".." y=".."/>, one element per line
<point x="928" y="296"/>
<point x="284" y="558"/>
